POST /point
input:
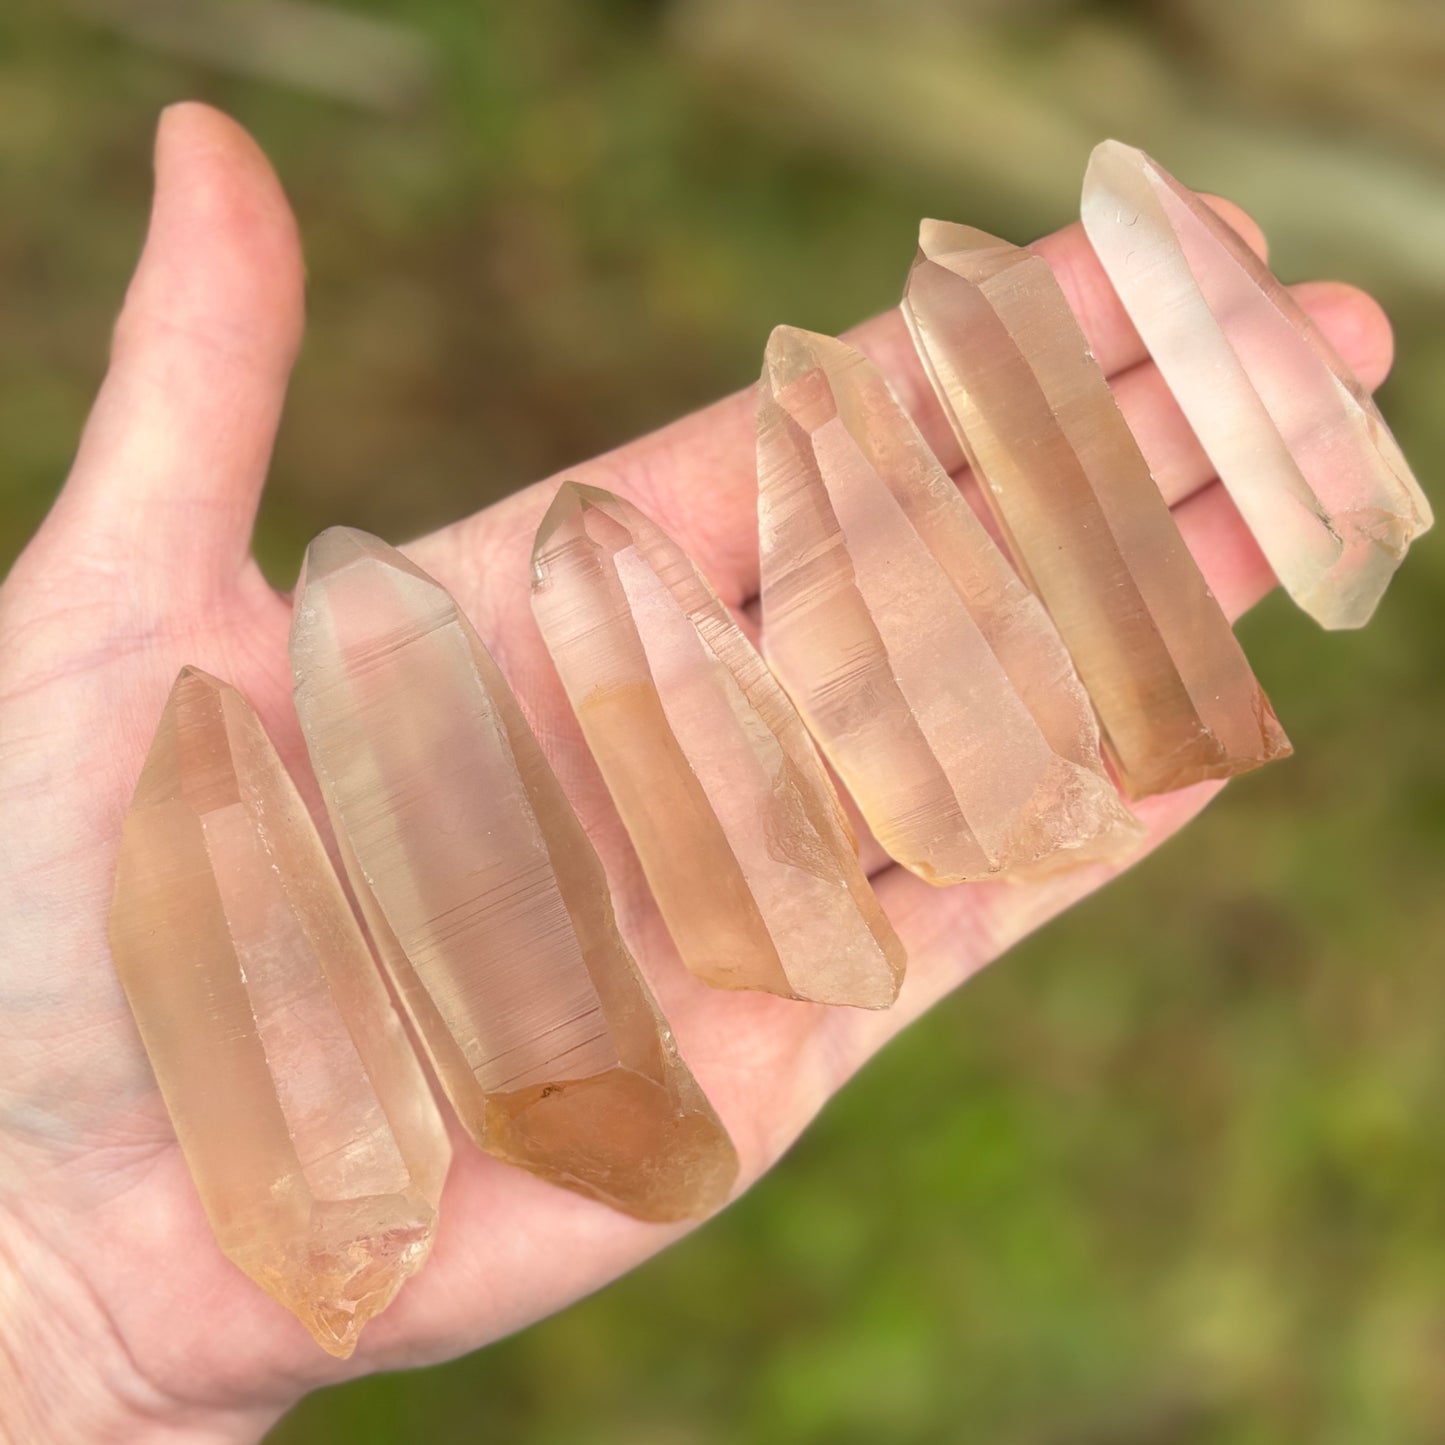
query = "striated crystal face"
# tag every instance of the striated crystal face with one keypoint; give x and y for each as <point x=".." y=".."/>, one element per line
<point x="486" y="899"/>
<point x="304" y="1116"/>
<point x="1082" y="516"/>
<point x="1292" y="433"/>
<point x="928" y="673"/>
<point x="733" y="817"/>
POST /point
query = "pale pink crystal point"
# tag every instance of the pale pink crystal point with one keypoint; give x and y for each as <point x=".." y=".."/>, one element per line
<point x="1293" y="434"/>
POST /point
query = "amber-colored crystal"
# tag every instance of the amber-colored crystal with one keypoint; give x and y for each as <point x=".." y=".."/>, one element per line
<point x="732" y="814"/>
<point x="928" y="673"/>
<point x="304" y="1116"/>
<point x="1291" y="431"/>
<point x="1082" y="516"/>
<point x="485" y="897"/>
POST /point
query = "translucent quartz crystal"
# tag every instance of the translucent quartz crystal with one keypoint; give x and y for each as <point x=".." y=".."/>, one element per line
<point x="928" y="673"/>
<point x="1082" y="516"/>
<point x="485" y="897"/>
<point x="732" y="814"/>
<point x="1292" y="433"/>
<point x="306" y="1119"/>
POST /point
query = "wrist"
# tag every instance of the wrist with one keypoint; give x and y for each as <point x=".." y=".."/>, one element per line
<point x="67" y="1375"/>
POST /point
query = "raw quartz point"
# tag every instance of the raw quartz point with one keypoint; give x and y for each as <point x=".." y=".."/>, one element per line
<point x="930" y="676"/>
<point x="734" y="819"/>
<point x="1293" y="434"/>
<point x="305" y="1118"/>
<point x="486" y="899"/>
<point x="1082" y="516"/>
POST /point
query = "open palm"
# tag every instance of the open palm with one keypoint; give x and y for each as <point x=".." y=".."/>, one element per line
<point x="119" y="1317"/>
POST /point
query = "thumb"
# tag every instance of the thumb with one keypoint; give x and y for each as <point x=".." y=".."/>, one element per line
<point x="174" y="456"/>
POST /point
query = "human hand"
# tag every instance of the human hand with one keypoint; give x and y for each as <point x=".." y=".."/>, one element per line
<point x="119" y="1317"/>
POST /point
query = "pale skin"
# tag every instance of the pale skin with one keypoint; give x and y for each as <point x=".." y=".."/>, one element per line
<point x="119" y="1318"/>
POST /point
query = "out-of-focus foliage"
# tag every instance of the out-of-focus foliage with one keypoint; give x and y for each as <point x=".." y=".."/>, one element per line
<point x="1170" y="1174"/>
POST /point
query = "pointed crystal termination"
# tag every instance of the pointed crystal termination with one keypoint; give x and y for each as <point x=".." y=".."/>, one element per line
<point x="733" y="817"/>
<point x="305" y="1118"/>
<point x="1291" y="431"/>
<point x="930" y="676"/>
<point x="485" y="897"/>
<point x="1082" y="516"/>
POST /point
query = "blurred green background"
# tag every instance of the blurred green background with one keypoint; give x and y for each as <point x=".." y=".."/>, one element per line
<point x="1173" y="1173"/>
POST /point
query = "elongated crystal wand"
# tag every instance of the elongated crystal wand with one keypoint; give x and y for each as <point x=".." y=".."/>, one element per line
<point x="736" y="824"/>
<point x="305" y="1118"/>
<point x="1082" y="516"/>
<point x="486" y="899"/>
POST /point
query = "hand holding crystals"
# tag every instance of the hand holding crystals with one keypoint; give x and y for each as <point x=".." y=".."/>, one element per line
<point x="144" y="565"/>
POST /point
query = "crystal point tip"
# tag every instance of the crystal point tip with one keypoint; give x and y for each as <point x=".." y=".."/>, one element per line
<point x="345" y="1282"/>
<point x="576" y="508"/>
<point x="787" y="341"/>
<point x="946" y="238"/>
<point x="1111" y="147"/>
<point x="195" y="682"/>
<point x="1111" y="161"/>
<point x="792" y="353"/>
<point x="562" y="507"/>
<point x="338" y="547"/>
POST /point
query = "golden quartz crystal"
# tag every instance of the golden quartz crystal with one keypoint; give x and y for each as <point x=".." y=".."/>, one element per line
<point x="1293" y="434"/>
<point x="1082" y="516"/>
<point x="304" y="1116"/>
<point x="486" y="900"/>
<point x="734" y="819"/>
<point x="929" y="674"/>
